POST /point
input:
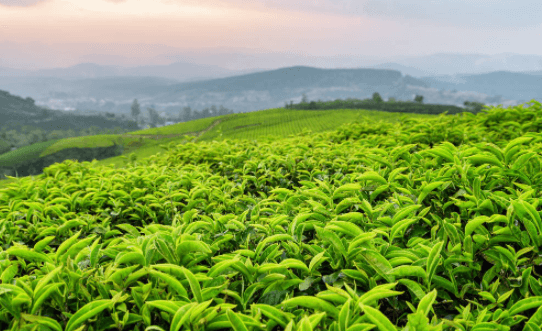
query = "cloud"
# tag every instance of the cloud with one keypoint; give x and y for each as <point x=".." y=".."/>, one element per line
<point x="479" y="13"/>
<point x="20" y="3"/>
<point x="28" y="3"/>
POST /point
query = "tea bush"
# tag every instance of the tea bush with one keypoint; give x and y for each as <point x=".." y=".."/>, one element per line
<point x="423" y="224"/>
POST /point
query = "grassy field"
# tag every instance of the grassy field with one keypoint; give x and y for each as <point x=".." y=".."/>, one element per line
<point x="417" y="224"/>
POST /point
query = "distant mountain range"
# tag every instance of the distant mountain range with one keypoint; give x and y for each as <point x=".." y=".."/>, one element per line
<point x="440" y="78"/>
<point x="273" y="88"/>
<point x="509" y="85"/>
<point x="189" y="67"/>
<point x="248" y="92"/>
<point x="179" y="71"/>
<point x="463" y="64"/>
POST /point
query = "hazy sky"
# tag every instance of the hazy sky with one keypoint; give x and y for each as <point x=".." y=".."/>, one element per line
<point x="44" y="33"/>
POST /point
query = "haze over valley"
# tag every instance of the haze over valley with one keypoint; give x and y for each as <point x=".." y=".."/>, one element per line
<point x="442" y="78"/>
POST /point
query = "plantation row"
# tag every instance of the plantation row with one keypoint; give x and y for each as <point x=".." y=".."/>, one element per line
<point x="283" y="122"/>
<point x="422" y="224"/>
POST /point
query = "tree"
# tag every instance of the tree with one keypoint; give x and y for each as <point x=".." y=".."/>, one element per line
<point x="304" y="98"/>
<point x="186" y="114"/>
<point x="391" y="99"/>
<point x="4" y="146"/>
<point x="419" y="98"/>
<point x="222" y="110"/>
<point x="136" y="110"/>
<point x="196" y="114"/>
<point x="474" y="106"/>
<point x="377" y="97"/>
<point x="34" y="138"/>
<point x="153" y="114"/>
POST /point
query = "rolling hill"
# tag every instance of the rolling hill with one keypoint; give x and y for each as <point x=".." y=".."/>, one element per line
<point x="16" y="112"/>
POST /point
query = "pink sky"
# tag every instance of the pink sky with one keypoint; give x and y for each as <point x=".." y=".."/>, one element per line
<point x="63" y="33"/>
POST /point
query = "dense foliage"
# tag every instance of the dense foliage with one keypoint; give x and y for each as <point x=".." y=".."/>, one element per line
<point x="423" y="224"/>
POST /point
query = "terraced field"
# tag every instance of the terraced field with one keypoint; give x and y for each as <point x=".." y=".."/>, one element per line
<point x="284" y="122"/>
<point x="265" y="124"/>
<point x="426" y="224"/>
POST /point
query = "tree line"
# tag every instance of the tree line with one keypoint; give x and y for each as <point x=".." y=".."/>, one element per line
<point x="392" y="105"/>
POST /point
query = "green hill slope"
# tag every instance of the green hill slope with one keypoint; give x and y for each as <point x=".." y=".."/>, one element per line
<point x="265" y="124"/>
<point x="24" y="154"/>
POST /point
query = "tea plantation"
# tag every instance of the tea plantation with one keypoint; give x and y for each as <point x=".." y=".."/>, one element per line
<point x="416" y="224"/>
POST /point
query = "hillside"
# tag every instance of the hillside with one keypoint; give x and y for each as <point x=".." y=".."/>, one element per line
<point x="22" y="121"/>
<point x="428" y="223"/>
<point x="17" y="112"/>
<point x="118" y="149"/>
<point x="16" y="109"/>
